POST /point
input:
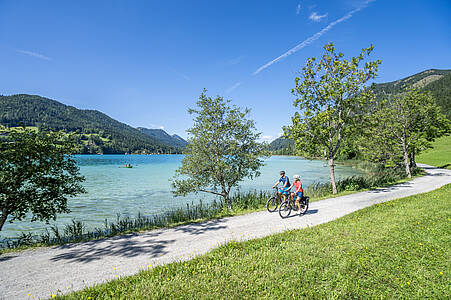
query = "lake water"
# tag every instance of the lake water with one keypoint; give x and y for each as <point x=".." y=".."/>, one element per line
<point x="145" y="188"/>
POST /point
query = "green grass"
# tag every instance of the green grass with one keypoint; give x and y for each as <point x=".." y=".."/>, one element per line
<point x="399" y="249"/>
<point x="439" y="155"/>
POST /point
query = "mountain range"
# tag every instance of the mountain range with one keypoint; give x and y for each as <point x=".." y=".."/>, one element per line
<point x="96" y="131"/>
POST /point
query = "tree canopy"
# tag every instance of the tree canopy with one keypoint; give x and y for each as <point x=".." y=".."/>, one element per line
<point x="37" y="174"/>
<point x="402" y="126"/>
<point x="331" y="95"/>
<point x="222" y="149"/>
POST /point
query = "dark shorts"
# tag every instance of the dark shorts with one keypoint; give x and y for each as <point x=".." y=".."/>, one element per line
<point x="299" y="194"/>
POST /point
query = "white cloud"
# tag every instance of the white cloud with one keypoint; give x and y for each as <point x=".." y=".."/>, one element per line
<point x="298" y="9"/>
<point x="313" y="38"/>
<point x="230" y="89"/>
<point x="33" y="54"/>
<point x="315" y="17"/>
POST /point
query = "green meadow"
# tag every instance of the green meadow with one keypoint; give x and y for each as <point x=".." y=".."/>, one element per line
<point x="439" y="155"/>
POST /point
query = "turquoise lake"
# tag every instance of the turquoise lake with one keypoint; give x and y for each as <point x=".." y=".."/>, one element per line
<point x="145" y="188"/>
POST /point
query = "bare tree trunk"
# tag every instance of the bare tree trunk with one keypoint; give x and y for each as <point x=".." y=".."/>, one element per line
<point x="332" y="175"/>
<point x="227" y="200"/>
<point x="407" y="162"/>
<point x="413" y="164"/>
<point x="3" y="218"/>
<point x="225" y="194"/>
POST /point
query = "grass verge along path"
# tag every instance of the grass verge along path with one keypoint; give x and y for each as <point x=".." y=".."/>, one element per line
<point x="397" y="249"/>
<point x="439" y="155"/>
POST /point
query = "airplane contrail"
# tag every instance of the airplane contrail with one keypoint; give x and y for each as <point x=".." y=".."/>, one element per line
<point x="312" y="38"/>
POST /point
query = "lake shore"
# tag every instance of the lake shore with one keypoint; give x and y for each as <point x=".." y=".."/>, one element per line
<point x="84" y="264"/>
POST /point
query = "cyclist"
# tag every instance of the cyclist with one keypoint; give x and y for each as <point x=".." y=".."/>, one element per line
<point x="285" y="190"/>
<point x="299" y="191"/>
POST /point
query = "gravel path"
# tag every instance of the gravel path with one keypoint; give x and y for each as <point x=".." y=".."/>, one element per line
<point x="45" y="271"/>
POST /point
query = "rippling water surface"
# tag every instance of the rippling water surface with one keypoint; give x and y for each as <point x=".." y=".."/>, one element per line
<point x="145" y="188"/>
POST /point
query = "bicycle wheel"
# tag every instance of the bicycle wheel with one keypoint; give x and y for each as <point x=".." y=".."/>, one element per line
<point x="284" y="210"/>
<point x="304" y="205"/>
<point x="271" y="204"/>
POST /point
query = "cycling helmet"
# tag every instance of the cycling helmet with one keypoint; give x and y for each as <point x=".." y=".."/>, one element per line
<point x="296" y="176"/>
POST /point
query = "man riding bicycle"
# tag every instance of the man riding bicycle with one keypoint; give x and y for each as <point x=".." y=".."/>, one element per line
<point x="285" y="190"/>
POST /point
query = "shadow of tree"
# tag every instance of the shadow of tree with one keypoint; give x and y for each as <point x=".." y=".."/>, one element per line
<point x="391" y="188"/>
<point x="120" y="246"/>
<point x="200" y="228"/>
<point x="6" y="257"/>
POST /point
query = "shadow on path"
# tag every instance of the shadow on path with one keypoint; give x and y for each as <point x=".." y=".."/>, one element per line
<point x="296" y="214"/>
<point x="200" y="228"/>
<point x="124" y="246"/>
<point x="391" y="188"/>
<point x="6" y="257"/>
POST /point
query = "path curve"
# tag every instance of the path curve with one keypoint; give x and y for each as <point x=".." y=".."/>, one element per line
<point x="45" y="271"/>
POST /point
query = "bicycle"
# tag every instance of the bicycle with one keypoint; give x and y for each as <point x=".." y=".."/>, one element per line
<point x="274" y="201"/>
<point x="286" y="207"/>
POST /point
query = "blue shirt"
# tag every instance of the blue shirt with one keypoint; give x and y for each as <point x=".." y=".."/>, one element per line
<point x="283" y="180"/>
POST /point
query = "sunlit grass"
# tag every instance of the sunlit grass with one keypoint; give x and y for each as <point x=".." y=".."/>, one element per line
<point x="439" y="155"/>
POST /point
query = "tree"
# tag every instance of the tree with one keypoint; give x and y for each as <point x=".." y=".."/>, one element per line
<point x="37" y="174"/>
<point x="403" y="126"/>
<point x="331" y="95"/>
<point x="222" y="150"/>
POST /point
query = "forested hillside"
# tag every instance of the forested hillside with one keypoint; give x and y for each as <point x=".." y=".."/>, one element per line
<point x="438" y="82"/>
<point x="282" y="146"/>
<point x="164" y="137"/>
<point x="97" y="132"/>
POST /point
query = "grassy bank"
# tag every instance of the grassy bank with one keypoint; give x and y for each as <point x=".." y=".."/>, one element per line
<point x="439" y="155"/>
<point x="399" y="249"/>
<point x="241" y="204"/>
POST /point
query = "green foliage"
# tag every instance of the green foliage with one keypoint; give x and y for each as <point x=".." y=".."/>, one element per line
<point x="37" y="174"/>
<point x="222" y="149"/>
<point x="376" y="176"/>
<point x="402" y="127"/>
<point x="398" y="249"/>
<point x="331" y="96"/>
<point x="97" y="132"/>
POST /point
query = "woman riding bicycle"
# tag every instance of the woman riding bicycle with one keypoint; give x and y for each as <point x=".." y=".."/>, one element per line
<point x="297" y="195"/>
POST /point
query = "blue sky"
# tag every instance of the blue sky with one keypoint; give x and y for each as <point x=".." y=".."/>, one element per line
<point x="145" y="62"/>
